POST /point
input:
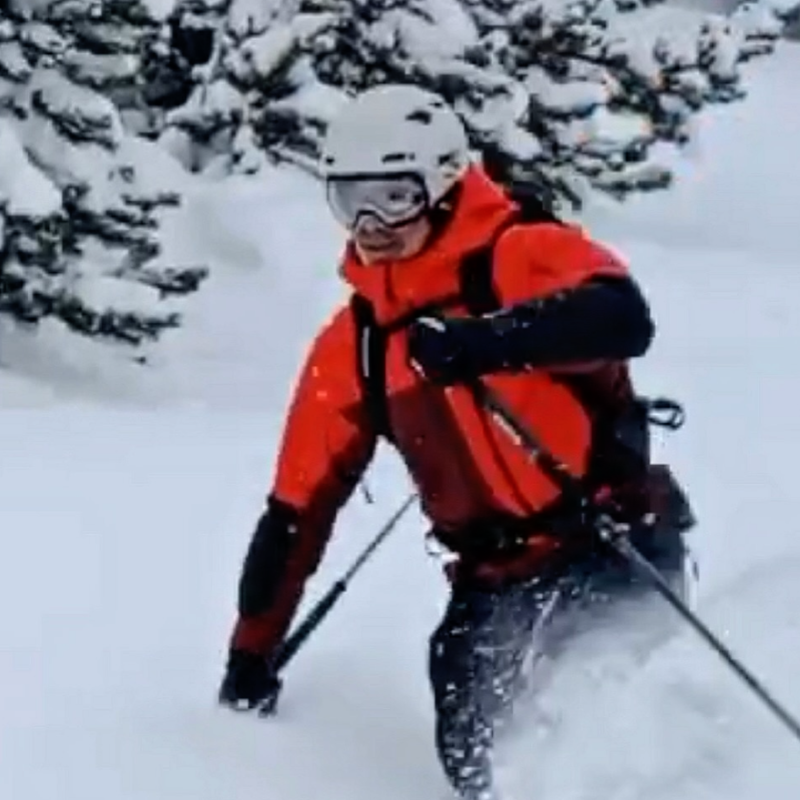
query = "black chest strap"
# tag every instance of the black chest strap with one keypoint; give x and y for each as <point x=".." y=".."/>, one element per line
<point x="371" y="364"/>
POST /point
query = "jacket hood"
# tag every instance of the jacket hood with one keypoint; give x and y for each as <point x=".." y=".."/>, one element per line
<point x="399" y="288"/>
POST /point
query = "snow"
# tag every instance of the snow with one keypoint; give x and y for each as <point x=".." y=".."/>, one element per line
<point x="129" y="492"/>
<point x="266" y="52"/>
<point x="735" y="191"/>
<point x="313" y="98"/>
<point x="13" y="60"/>
<point x="43" y="37"/>
<point x="216" y="99"/>
<point x="106" y="292"/>
<point x="24" y="190"/>
<point x="64" y="160"/>
<point x="64" y="97"/>
<point x="246" y="16"/>
<point x="260" y="55"/>
<point x="420" y="33"/>
<point x="569" y="97"/>
<point x="159" y="9"/>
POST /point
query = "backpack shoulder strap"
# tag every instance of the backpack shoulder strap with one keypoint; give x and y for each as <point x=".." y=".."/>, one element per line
<point x="478" y="292"/>
<point x="532" y="208"/>
<point x="371" y="363"/>
<point x="476" y="280"/>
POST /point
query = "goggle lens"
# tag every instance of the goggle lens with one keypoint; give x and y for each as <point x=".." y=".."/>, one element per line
<point x="394" y="200"/>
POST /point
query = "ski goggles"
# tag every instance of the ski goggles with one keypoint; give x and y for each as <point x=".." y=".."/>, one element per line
<point x="395" y="200"/>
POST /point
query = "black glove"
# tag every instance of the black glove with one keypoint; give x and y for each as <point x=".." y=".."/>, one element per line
<point x="249" y="683"/>
<point x="448" y="351"/>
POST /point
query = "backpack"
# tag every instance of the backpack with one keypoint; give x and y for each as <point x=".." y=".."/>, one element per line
<point x="620" y="450"/>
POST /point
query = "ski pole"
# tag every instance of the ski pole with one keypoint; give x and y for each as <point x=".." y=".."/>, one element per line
<point x="299" y="636"/>
<point x="614" y="535"/>
<point x="645" y="569"/>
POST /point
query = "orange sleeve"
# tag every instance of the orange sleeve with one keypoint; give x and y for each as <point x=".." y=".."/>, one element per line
<point x="537" y="260"/>
<point x="327" y="440"/>
<point x="533" y="261"/>
<point x="327" y="444"/>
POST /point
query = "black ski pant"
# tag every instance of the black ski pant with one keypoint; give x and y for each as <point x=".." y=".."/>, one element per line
<point x="480" y="646"/>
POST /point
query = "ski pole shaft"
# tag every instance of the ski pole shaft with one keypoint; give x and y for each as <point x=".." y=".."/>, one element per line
<point x="323" y="607"/>
<point x="308" y="625"/>
<point x="645" y="569"/>
<point x="382" y="534"/>
<point x="571" y="485"/>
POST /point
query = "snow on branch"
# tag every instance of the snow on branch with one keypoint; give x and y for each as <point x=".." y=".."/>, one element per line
<point x="80" y="201"/>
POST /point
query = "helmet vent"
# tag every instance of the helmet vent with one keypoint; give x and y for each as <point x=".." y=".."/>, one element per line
<point x="421" y="115"/>
<point x="393" y="158"/>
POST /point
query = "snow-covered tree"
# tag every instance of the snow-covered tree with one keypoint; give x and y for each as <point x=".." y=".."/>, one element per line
<point x="570" y="93"/>
<point x="206" y="73"/>
<point x="80" y="201"/>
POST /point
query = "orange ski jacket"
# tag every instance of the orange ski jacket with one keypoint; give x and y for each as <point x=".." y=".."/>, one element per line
<point x="465" y="467"/>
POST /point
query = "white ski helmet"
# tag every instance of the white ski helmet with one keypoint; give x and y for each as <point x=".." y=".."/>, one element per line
<point x="394" y="129"/>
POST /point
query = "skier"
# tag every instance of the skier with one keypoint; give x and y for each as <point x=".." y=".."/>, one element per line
<point x="399" y="177"/>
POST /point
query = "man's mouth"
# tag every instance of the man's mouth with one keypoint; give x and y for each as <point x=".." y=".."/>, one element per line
<point x="378" y="242"/>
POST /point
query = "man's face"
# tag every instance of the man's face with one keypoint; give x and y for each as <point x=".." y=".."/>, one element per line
<point x="386" y="215"/>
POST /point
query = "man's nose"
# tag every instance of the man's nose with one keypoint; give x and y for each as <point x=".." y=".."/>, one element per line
<point x="369" y="224"/>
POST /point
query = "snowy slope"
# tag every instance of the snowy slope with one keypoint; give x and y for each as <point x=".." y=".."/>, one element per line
<point x="131" y="491"/>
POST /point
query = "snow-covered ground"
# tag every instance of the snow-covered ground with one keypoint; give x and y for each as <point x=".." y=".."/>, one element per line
<point x="128" y="493"/>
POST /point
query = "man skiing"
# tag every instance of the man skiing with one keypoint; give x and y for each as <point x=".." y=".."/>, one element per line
<point x="399" y="177"/>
